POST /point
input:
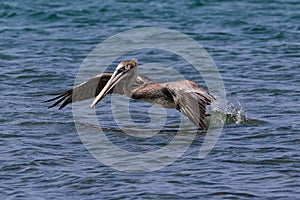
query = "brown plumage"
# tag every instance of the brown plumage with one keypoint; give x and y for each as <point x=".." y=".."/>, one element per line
<point x="186" y="96"/>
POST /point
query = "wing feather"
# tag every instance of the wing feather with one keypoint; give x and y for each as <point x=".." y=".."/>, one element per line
<point x="83" y="91"/>
<point x="191" y="100"/>
<point x="88" y="89"/>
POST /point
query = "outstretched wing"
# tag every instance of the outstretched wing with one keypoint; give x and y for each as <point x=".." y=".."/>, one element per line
<point x="89" y="89"/>
<point x="83" y="91"/>
<point x="191" y="100"/>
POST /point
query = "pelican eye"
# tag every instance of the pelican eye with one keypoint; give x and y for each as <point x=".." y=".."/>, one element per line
<point x="121" y="70"/>
<point x="130" y="66"/>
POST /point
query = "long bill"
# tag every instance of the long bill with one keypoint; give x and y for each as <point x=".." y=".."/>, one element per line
<point x="114" y="79"/>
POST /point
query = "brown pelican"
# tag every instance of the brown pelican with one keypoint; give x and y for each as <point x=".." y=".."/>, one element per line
<point x="186" y="96"/>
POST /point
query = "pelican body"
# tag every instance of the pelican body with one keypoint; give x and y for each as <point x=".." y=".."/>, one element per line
<point x="186" y="96"/>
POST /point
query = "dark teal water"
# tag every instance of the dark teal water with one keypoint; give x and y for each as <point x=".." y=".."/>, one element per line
<point x="255" y="45"/>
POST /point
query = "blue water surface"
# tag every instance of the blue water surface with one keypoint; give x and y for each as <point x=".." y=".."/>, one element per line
<point x="255" y="45"/>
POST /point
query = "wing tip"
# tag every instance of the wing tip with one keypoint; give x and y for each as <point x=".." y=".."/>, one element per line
<point x="66" y="97"/>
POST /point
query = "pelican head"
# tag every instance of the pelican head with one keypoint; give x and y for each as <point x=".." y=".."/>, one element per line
<point x="124" y="70"/>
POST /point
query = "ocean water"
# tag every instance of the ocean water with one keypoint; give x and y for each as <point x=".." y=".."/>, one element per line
<point x="255" y="45"/>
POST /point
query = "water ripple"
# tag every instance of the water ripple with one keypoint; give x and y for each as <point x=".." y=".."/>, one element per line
<point x="256" y="47"/>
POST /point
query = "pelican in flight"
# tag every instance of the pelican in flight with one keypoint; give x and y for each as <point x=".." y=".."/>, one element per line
<point x="186" y="96"/>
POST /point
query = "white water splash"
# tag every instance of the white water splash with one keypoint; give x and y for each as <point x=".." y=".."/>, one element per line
<point x="234" y="111"/>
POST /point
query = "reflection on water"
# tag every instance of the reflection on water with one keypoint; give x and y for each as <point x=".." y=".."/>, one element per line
<point x="137" y="123"/>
